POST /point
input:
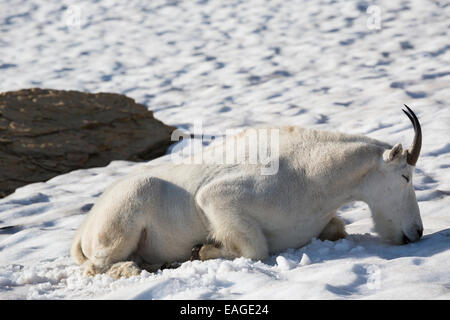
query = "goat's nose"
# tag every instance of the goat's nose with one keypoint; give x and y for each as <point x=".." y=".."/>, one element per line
<point x="405" y="239"/>
<point x="420" y="232"/>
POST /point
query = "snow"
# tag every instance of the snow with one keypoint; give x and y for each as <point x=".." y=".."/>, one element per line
<point x="335" y="65"/>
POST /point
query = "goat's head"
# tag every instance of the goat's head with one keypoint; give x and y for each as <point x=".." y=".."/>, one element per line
<point x="393" y="202"/>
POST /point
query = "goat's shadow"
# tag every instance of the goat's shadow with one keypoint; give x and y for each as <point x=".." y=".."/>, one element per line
<point x="357" y="246"/>
<point x="429" y="245"/>
<point x="371" y="275"/>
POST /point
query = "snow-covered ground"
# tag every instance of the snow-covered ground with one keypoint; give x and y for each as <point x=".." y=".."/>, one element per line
<point x="335" y="65"/>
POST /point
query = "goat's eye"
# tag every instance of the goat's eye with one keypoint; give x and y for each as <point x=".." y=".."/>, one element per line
<point x="406" y="178"/>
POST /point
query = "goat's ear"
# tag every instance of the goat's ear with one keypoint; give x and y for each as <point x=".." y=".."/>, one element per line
<point x="394" y="153"/>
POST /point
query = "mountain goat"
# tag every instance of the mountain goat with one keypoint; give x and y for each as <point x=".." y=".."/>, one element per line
<point x="173" y="212"/>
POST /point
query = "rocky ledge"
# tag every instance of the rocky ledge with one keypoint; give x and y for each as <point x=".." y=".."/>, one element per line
<point x="44" y="133"/>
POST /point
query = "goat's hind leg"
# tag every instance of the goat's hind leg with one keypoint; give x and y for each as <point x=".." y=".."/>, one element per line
<point x="134" y="264"/>
<point x="112" y="248"/>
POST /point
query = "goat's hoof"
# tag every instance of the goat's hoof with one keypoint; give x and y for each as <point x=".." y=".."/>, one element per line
<point x="195" y="252"/>
<point x="170" y="265"/>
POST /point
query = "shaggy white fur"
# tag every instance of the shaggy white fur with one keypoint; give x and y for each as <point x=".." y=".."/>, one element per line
<point x="157" y="215"/>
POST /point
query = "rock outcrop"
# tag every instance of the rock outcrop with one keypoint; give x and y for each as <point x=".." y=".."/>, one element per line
<point x="44" y="133"/>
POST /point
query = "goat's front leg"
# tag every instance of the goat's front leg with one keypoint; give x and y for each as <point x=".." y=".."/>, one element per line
<point x="207" y="251"/>
<point x="334" y="230"/>
<point x="234" y="235"/>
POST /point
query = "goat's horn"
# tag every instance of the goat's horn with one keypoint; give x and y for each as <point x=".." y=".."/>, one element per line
<point x="414" y="150"/>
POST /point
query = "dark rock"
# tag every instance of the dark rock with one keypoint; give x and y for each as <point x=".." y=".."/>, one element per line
<point x="405" y="45"/>
<point x="45" y="133"/>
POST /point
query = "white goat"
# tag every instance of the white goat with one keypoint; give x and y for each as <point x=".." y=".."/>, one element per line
<point x="174" y="212"/>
